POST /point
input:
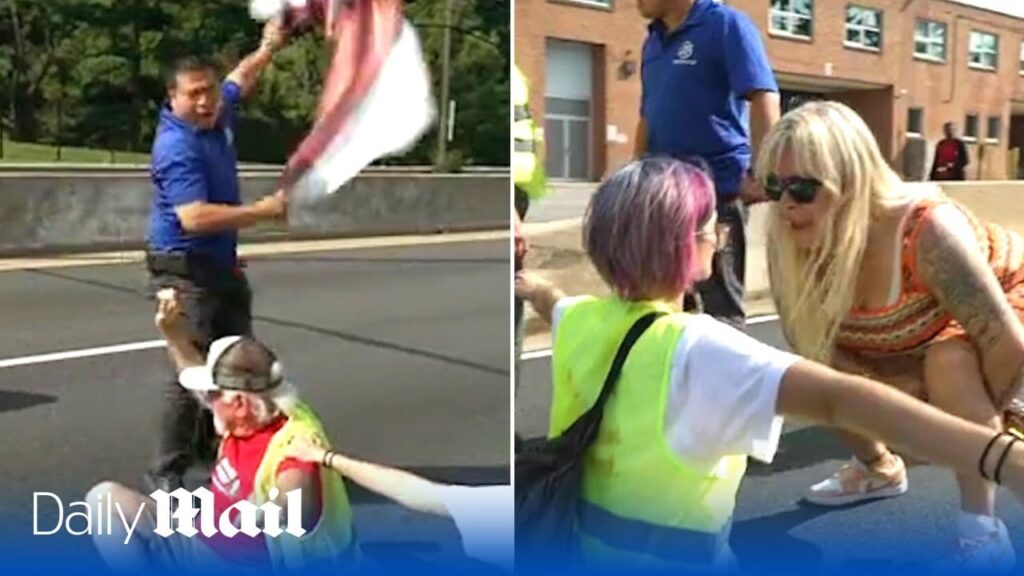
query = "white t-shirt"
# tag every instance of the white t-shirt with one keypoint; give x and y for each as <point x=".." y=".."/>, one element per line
<point x="723" y="392"/>
<point x="485" y="518"/>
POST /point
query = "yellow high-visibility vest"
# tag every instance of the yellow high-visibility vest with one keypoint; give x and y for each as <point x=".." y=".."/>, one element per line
<point x="643" y="505"/>
<point x="333" y="540"/>
<point x="527" y="171"/>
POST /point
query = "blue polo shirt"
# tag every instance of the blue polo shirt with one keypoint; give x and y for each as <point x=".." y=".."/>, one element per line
<point x="190" y="164"/>
<point x="695" y="80"/>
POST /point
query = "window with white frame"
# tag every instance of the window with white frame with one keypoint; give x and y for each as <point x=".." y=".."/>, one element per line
<point x="597" y="3"/>
<point x="995" y="128"/>
<point x="792" y="18"/>
<point x="930" y="40"/>
<point x="915" y="121"/>
<point x="984" y="51"/>
<point x="863" y="27"/>
<point x="971" y="127"/>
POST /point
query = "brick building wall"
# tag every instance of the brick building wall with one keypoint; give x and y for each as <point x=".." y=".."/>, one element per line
<point x="616" y="36"/>
<point x="881" y="85"/>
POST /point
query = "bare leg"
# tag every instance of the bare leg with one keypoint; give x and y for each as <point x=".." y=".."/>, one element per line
<point x="866" y="450"/>
<point x="134" y="556"/>
<point x="956" y="385"/>
<point x="877" y="473"/>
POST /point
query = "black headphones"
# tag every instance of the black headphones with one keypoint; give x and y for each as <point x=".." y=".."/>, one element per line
<point x="249" y="382"/>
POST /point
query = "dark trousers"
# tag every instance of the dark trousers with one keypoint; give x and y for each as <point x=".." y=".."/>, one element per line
<point x="721" y="295"/>
<point x="216" y="302"/>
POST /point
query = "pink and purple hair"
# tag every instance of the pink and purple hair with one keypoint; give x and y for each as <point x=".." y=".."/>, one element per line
<point x="640" y="229"/>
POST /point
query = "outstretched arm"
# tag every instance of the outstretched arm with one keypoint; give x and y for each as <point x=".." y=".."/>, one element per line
<point x="541" y="294"/>
<point x="407" y="489"/>
<point x="170" y="320"/>
<point x="826" y="396"/>
<point x="250" y="68"/>
<point x="403" y="487"/>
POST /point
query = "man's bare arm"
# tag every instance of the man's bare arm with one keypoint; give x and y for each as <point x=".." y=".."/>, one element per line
<point x="206" y="218"/>
<point x="640" y="142"/>
<point x="250" y="68"/>
<point x="295" y="479"/>
<point x="765" y="109"/>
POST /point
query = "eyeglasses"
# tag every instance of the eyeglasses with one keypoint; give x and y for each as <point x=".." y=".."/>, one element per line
<point x="710" y="236"/>
<point x="802" y="190"/>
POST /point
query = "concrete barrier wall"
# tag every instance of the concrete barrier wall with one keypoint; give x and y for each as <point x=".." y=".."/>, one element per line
<point x="101" y="210"/>
<point x="1001" y="202"/>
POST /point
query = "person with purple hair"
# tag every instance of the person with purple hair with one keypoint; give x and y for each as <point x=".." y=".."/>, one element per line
<point x="696" y="396"/>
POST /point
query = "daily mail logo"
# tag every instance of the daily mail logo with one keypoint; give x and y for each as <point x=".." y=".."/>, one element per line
<point x="176" y="512"/>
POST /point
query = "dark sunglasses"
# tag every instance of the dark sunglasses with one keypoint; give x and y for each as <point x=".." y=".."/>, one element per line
<point x="802" y="190"/>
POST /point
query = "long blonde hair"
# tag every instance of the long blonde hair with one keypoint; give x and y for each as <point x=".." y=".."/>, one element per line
<point x="813" y="289"/>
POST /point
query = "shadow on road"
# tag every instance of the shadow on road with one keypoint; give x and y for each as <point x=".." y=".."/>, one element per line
<point x="767" y="539"/>
<point x="11" y="401"/>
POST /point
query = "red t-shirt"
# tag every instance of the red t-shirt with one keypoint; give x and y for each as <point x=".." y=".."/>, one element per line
<point x="232" y="481"/>
<point x="947" y="153"/>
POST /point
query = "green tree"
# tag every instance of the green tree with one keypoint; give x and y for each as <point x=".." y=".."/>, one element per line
<point x="89" y="72"/>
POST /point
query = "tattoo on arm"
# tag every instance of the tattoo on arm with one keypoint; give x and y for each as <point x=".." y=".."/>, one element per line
<point x="951" y="265"/>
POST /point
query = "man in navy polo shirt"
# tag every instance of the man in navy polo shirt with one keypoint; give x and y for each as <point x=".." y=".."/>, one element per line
<point x="703" y="66"/>
<point x="193" y="230"/>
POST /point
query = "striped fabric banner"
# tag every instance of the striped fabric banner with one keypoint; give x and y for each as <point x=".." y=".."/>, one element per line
<point x="377" y="99"/>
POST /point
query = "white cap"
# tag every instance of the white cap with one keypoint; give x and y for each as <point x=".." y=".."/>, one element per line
<point x="201" y="378"/>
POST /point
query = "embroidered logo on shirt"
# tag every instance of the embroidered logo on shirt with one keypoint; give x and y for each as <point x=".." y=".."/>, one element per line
<point x="685" y="54"/>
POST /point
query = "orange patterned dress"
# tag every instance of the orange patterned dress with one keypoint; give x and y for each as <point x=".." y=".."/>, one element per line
<point x="917" y="319"/>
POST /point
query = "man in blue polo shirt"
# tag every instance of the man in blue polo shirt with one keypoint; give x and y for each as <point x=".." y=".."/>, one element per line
<point x="193" y="231"/>
<point x="704" y="66"/>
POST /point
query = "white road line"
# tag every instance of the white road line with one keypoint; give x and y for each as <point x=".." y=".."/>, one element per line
<point x="762" y="319"/>
<point x="151" y="344"/>
<point x="535" y="354"/>
<point x="83" y="353"/>
<point x="546" y="352"/>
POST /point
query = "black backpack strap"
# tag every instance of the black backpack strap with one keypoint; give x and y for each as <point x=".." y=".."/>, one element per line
<point x="634" y="334"/>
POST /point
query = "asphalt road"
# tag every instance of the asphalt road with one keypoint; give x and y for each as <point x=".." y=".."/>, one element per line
<point x="565" y="202"/>
<point x="403" y="351"/>
<point x="775" y="530"/>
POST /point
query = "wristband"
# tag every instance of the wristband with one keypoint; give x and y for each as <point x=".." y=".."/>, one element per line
<point x="1002" y="459"/>
<point x="984" y="455"/>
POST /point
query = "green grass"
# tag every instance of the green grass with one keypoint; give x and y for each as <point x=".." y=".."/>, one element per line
<point x="22" y="152"/>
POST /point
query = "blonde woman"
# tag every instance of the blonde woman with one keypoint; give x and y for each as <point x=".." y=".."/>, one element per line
<point x="879" y="278"/>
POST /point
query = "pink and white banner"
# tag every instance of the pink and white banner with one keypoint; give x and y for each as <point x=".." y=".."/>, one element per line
<point x="377" y="98"/>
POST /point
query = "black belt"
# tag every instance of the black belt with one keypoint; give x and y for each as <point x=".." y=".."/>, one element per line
<point x="190" y="265"/>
